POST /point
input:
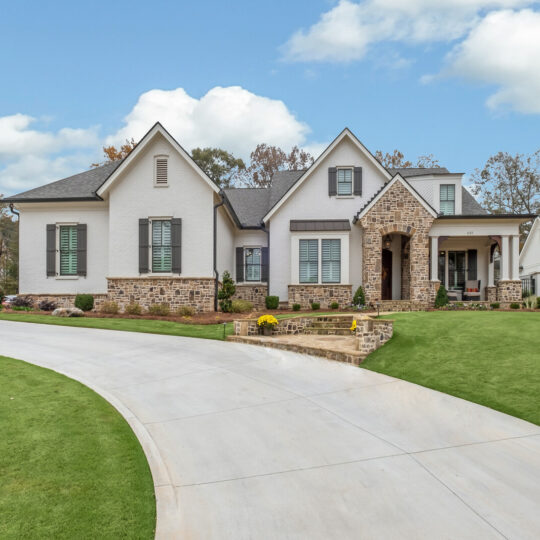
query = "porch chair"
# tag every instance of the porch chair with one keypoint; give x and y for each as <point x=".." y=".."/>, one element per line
<point x="472" y="289"/>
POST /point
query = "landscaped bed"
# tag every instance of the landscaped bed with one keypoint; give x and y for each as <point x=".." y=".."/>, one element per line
<point x="491" y="358"/>
<point x="70" y="465"/>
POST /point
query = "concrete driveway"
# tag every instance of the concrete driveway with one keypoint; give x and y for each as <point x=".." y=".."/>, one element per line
<point x="246" y="442"/>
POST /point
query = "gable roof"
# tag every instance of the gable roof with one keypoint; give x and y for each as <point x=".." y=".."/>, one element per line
<point x="79" y="187"/>
<point x="345" y="133"/>
<point x="248" y="205"/>
<point x="150" y="134"/>
<point x="469" y="205"/>
<point x="386" y="187"/>
<point x="527" y="243"/>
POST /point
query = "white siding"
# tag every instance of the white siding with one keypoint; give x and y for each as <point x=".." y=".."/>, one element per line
<point x="225" y="243"/>
<point x="311" y="201"/>
<point x="187" y="196"/>
<point x="429" y="188"/>
<point x="34" y="219"/>
<point x="530" y="256"/>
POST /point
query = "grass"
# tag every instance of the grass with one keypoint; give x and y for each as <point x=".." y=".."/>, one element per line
<point x="70" y="465"/>
<point x="491" y="358"/>
<point x="148" y="326"/>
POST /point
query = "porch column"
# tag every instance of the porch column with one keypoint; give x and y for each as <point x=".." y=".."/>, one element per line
<point x="515" y="258"/>
<point x="505" y="258"/>
<point x="434" y="258"/>
<point x="491" y="273"/>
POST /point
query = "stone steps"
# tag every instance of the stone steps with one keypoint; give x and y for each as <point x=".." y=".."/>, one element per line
<point x="331" y="324"/>
<point x="329" y="331"/>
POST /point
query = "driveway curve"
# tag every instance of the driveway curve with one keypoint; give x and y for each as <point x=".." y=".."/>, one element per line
<point x="246" y="442"/>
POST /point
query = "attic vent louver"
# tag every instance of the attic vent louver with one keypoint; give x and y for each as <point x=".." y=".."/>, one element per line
<point x="161" y="171"/>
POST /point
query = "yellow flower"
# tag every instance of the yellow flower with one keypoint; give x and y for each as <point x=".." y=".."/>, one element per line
<point x="353" y="327"/>
<point x="267" y="320"/>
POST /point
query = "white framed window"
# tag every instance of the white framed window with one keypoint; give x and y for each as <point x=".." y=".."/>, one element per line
<point x="161" y="246"/>
<point x="252" y="263"/>
<point x="309" y="261"/>
<point x="448" y="199"/>
<point x="161" y="171"/>
<point x="331" y="260"/>
<point x="345" y="181"/>
<point x="67" y="249"/>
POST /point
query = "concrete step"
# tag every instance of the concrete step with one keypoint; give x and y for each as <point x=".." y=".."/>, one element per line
<point x="330" y="331"/>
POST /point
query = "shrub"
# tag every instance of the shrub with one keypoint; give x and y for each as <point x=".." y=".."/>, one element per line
<point x="334" y="305"/>
<point x="159" y="309"/>
<point x="1" y="296"/>
<point x="22" y="302"/>
<point x="187" y="311"/>
<point x="495" y="305"/>
<point x="271" y="302"/>
<point x="21" y="308"/>
<point x="525" y="293"/>
<point x="228" y="288"/>
<point x="359" y="298"/>
<point x="110" y="308"/>
<point x="538" y="302"/>
<point x="47" y="305"/>
<point x="441" y="299"/>
<point x="315" y="306"/>
<point x="241" y="306"/>
<point x="296" y="307"/>
<point x="133" y="309"/>
<point x="515" y="305"/>
<point x="84" y="302"/>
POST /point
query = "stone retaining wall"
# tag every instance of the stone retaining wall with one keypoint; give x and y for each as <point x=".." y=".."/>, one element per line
<point x="306" y="294"/>
<point x="491" y="294"/>
<point x="195" y="292"/>
<point x="256" y="294"/>
<point x="290" y="326"/>
<point x="372" y="333"/>
<point x="509" y="291"/>
<point x="401" y="305"/>
<point x="65" y="300"/>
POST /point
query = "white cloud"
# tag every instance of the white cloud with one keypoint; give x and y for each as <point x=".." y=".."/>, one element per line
<point x="346" y="31"/>
<point x="30" y="157"/>
<point x="227" y="117"/>
<point x="503" y="50"/>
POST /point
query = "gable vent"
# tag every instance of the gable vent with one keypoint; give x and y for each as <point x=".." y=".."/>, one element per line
<point x="161" y="171"/>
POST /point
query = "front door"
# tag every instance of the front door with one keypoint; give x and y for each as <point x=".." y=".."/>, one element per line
<point x="386" y="275"/>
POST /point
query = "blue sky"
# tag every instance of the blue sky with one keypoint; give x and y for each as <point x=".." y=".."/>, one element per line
<point x="458" y="79"/>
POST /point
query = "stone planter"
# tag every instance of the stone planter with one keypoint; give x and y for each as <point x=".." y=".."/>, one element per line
<point x="267" y="330"/>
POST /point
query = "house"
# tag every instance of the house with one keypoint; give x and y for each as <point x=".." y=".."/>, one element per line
<point x="154" y="228"/>
<point x="529" y="260"/>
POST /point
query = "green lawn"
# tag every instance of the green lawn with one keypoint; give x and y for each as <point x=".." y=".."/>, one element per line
<point x="491" y="358"/>
<point x="70" y="466"/>
<point x="208" y="331"/>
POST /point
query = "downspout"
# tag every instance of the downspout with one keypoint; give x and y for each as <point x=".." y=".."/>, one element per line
<point x="267" y="231"/>
<point x="14" y="212"/>
<point x="216" y="273"/>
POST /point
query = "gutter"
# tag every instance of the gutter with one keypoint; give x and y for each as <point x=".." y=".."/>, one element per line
<point x="216" y="273"/>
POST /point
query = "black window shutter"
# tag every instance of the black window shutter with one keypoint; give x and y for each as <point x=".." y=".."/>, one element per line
<point x="81" y="249"/>
<point x="332" y="181"/>
<point x="239" y="264"/>
<point x="264" y="264"/>
<point x="358" y="180"/>
<point x="176" y="245"/>
<point x="472" y="256"/>
<point x="144" y="246"/>
<point x="51" y="250"/>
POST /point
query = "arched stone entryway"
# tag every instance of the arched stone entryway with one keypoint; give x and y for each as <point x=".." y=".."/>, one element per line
<point x="395" y="267"/>
<point x="397" y="212"/>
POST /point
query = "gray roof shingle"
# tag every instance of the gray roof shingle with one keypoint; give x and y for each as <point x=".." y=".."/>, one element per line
<point x="469" y="205"/>
<point x="82" y="186"/>
<point x="408" y="172"/>
<point x="249" y="204"/>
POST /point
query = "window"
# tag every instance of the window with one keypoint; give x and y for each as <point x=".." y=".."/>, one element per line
<point x="68" y="250"/>
<point x="309" y="261"/>
<point x="331" y="261"/>
<point x="252" y="262"/>
<point x="344" y="181"/>
<point x="448" y="199"/>
<point x="161" y="246"/>
<point x="162" y="171"/>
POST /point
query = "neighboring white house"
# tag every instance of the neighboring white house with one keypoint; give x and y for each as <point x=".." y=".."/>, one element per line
<point x="529" y="260"/>
<point x="154" y="228"/>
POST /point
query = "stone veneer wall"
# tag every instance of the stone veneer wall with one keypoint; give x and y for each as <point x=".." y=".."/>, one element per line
<point x="255" y="294"/>
<point x="509" y="291"/>
<point x="491" y="294"/>
<point x="65" y="300"/>
<point x="174" y="291"/>
<point x="305" y="295"/>
<point x="434" y="287"/>
<point x="397" y="212"/>
<point x="290" y="326"/>
<point x="372" y="333"/>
